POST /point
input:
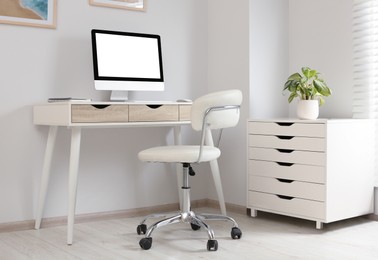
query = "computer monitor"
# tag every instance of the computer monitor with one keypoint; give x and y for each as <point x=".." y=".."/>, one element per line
<point x="125" y="61"/>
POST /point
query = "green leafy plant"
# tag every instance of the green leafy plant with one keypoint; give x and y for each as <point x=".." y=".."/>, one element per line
<point x="308" y="86"/>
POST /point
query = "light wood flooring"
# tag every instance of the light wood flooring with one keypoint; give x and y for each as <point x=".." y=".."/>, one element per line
<point x="268" y="236"/>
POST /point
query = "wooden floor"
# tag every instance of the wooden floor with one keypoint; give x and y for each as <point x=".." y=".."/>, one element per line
<point x="268" y="236"/>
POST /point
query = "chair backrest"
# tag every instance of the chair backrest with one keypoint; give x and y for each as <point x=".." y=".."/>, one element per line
<point x="217" y="118"/>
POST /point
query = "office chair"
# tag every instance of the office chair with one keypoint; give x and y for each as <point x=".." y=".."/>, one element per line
<point x="216" y="110"/>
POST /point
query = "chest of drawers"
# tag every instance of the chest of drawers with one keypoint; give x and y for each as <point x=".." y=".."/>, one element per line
<point x="321" y="170"/>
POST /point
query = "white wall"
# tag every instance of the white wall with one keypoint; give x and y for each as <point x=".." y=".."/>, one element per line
<point x="286" y="35"/>
<point x="39" y="63"/>
<point x="228" y="68"/>
<point x="321" y="38"/>
<point x="269" y="58"/>
<point x="249" y="50"/>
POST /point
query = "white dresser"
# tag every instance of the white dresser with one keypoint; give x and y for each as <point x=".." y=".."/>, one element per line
<point x="321" y="170"/>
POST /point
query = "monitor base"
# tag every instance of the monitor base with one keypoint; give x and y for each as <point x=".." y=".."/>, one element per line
<point x="119" y="95"/>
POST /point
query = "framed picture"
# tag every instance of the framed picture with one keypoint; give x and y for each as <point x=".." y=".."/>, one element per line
<point x="137" y="5"/>
<point x="40" y="13"/>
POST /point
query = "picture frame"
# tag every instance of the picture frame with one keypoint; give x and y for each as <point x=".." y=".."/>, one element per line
<point x="39" y="13"/>
<point x="135" y="5"/>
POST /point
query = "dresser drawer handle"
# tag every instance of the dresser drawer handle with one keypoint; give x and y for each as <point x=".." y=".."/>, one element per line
<point x="284" y="137"/>
<point x="286" y="164"/>
<point x="284" y="180"/>
<point x="285" y="197"/>
<point x="154" y="106"/>
<point x="285" y="150"/>
<point x="100" y="106"/>
<point x="284" y="124"/>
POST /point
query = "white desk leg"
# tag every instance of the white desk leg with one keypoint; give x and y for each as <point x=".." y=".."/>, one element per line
<point x="177" y="141"/>
<point x="45" y="174"/>
<point x="216" y="175"/>
<point x="72" y="181"/>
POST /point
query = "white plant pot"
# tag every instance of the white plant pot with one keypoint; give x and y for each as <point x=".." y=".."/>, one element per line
<point x="308" y="109"/>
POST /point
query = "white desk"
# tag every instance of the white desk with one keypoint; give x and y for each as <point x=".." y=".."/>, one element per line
<point x="78" y="115"/>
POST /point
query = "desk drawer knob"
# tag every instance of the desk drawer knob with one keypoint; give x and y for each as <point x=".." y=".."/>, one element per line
<point x="100" y="106"/>
<point x="154" y="106"/>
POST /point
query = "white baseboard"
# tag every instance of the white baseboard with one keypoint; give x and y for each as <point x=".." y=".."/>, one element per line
<point x="372" y="217"/>
<point x="82" y="218"/>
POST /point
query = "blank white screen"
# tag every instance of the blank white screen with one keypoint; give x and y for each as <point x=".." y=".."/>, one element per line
<point x="127" y="56"/>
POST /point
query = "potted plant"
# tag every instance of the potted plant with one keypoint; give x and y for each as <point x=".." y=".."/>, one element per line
<point x="310" y="89"/>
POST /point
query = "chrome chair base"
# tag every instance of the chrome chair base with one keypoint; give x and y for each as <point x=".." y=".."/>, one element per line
<point x="196" y="221"/>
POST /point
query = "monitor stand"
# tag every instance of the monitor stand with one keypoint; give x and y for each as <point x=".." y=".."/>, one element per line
<point x="119" y="95"/>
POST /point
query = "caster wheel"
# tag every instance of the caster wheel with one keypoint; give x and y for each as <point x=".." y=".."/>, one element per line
<point x="141" y="229"/>
<point x="195" y="226"/>
<point x="236" y="233"/>
<point x="146" y="243"/>
<point x="212" y="245"/>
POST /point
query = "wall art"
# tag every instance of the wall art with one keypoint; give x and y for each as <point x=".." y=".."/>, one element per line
<point x="41" y="13"/>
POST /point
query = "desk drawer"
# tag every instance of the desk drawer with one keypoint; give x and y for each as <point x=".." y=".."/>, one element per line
<point x="92" y="113"/>
<point x="287" y="156"/>
<point x="287" y="142"/>
<point x="153" y="113"/>
<point x="287" y="128"/>
<point x="292" y="206"/>
<point x="286" y="187"/>
<point x="299" y="172"/>
<point x="184" y="113"/>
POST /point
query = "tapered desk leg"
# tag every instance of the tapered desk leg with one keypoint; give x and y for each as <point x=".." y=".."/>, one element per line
<point x="216" y="175"/>
<point x="177" y="141"/>
<point x="45" y="174"/>
<point x="72" y="181"/>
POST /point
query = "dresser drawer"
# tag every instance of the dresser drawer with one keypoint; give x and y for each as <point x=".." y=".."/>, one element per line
<point x="286" y="187"/>
<point x="292" y="206"/>
<point x="287" y="142"/>
<point x="287" y="156"/>
<point x="287" y="129"/>
<point x="152" y="113"/>
<point x="299" y="172"/>
<point x="92" y="113"/>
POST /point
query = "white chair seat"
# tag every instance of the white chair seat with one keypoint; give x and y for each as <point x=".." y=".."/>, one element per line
<point x="179" y="153"/>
